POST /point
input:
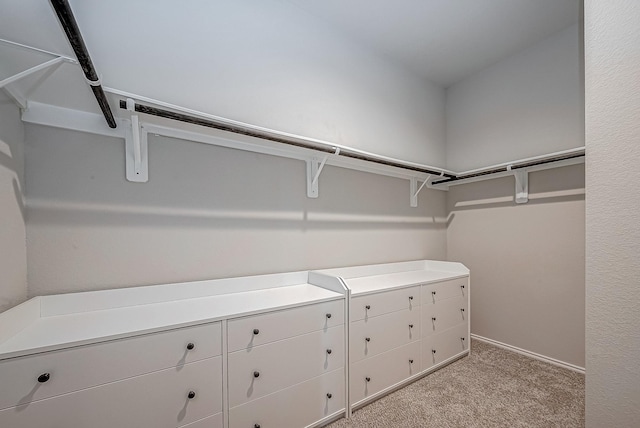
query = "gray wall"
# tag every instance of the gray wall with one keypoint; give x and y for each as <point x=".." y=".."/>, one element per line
<point x="612" y="66"/>
<point x="275" y="66"/>
<point x="13" y="255"/>
<point x="528" y="104"/>
<point x="206" y="212"/>
<point x="526" y="260"/>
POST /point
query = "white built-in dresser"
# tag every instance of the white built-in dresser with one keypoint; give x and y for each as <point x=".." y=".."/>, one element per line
<point x="255" y="352"/>
<point x="406" y="320"/>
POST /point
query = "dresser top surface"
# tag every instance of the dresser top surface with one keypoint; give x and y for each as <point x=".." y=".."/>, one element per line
<point x="384" y="282"/>
<point x="47" y="333"/>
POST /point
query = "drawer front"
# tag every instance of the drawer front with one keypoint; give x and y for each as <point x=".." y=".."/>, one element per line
<point x="372" y="305"/>
<point x="443" y="315"/>
<point x="214" y="421"/>
<point x="245" y="333"/>
<point x="296" y="407"/>
<point x="445" y="344"/>
<point x="92" y="365"/>
<point x="269" y="368"/>
<point x="383" y="371"/>
<point x="156" y="400"/>
<point x="375" y="335"/>
<point x="445" y="290"/>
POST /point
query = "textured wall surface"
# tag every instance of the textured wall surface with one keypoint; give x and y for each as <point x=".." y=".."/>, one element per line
<point x="528" y="104"/>
<point x="526" y="261"/>
<point x="612" y="100"/>
<point x="13" y="254"/>
<point x="207" y="212"/>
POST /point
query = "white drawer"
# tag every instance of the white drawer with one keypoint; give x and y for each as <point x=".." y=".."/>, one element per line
<point x="372" y="305"/>
<point x="375" y="374"/>
<point x="444" y="290"/>
<point x="247" y="332"/>
<point x="156" y="400"/>
<point x="375" y="335"/>
<point x="92" y="365"/>
<point x="295" y="407"/>
<point x="443" y="315"/>
<point x="268" y="368"/>
<point x="214" y="421"/>
<point x="446" y="345"/>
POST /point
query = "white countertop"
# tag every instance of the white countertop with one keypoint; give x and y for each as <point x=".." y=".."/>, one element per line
<point x="48" y="333"/>
<point x="55" y="322"/>
<point x="377" y="283"/>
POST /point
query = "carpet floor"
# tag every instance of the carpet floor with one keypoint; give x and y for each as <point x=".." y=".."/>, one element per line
<point x="491" y="388"/>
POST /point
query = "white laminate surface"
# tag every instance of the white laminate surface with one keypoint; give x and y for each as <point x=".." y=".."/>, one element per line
<point x="385" y="282"/>
<point x="62" y="331"/>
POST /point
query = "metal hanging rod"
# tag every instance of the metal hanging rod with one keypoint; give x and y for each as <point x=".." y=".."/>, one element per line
<point x="557" y="157"/>
<point x="71" y="29"/>
<point x="279" y="138"/>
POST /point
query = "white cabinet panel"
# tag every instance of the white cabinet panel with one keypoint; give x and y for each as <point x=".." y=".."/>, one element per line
<point x="442" y="346"/>
<point x="295" y="407"/>
<point x="374" y="335"/>
<point x="444" y="314"/>
<point x="214" y="421"/>
<point x="86" y="366"/>
<point x="371" y="305"/>
<point x="156" y="400"/>
<point x="445" y="290"/>
<point x="248" y="332"/>
<point x="261" y="370"/>
<point x="375" y="374"/>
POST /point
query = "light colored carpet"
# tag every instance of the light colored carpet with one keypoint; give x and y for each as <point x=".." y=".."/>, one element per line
<point x="491" y="388"/>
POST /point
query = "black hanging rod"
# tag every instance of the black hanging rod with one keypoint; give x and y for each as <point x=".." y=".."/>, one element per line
<point x="512" y="167"/>
<point x="181" y="117"/>
<point x="70" y="26"/>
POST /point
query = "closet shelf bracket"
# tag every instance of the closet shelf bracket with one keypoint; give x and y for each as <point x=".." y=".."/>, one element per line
<point x="522" y="185"/>
<point x="136" y="148"/>
<point x="314" y="168"/>
<point x="20" y="98"/>
<point x="414" y="190"/>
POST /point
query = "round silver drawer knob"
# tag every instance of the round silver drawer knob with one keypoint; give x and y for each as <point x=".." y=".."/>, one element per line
<point x="256" y="374"/>
<point x="190" y="346"/>
<point x="191" y="395"/>
<point x="256" y="331"/>
<point x="44" y="377"/>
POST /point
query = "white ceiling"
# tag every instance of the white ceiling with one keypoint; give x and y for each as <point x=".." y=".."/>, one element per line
<point x="446" y="40"/>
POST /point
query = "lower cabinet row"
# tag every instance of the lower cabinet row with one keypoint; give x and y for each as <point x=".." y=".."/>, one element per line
<point x="283" y="369"/>
<point x="370" y="376"/>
